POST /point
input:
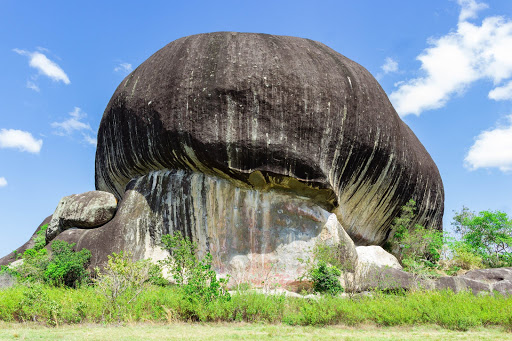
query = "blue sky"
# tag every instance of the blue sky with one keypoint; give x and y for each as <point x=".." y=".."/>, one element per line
<point x="446" y="65"/>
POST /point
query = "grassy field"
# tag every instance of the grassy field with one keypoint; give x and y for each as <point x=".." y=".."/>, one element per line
<point x="162" y="310"/>
<point x="240" y="331"/>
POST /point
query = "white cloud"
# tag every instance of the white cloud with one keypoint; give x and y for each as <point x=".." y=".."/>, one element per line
<point x="124" y="68"/>
<point x="45" y="66"/>
<point x="454" y="61"/>
<point x="502" y="92"/>
<point x="469" y="9"/>
<point x="19" y="139"/>
<point x="89" y="139"/>
<point x="75" y="123"/>
<point x="32" y="85"/>
<point x="389" y="65"/>
<point x="492" y="149"/>
<point x="3" y="182"/>
<point x="72" y="124"/>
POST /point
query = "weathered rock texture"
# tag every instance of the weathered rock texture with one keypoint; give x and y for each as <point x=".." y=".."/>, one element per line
<point x="248" y="232"/>
<point x="270" y="112"/>
<point x="85" y="210"/>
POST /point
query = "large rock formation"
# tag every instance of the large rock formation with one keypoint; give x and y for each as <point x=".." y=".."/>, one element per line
<point x="257" y="147"/>
<point x="270" y="112"/>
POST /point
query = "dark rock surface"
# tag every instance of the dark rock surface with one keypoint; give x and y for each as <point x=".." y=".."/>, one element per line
<point x="86" y="210"/>
<point x="270" y="112"/>
<point x="8" y="259"/>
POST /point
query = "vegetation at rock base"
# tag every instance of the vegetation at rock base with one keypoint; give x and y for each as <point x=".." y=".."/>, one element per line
<point x="61" y="305"/>
<point x="324" y="269"/>
<point x="61" y="266"/>
<point x="482" y="241"/>
<point x="194" y="275"/>
<point x="56" y="289"/>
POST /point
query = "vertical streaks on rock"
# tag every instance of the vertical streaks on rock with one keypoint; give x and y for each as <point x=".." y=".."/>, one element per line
<point x="270" y="112"/>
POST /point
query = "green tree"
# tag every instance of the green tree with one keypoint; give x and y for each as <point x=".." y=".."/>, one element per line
<point x="488" y="235"/>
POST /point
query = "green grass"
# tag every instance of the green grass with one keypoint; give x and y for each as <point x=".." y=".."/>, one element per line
<point x="60" y="306"/>
<point x="239" y="331"/>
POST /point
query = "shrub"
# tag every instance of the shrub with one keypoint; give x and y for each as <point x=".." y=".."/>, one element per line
<point x="122" y="279"/>
<point x="63" y="266"/>
<point x="195" y="276"/>
<point x="325" y="278"/>
<point x="67" y="266"/>
<point x="417" y="248"/>
<point x="324" y="269"/>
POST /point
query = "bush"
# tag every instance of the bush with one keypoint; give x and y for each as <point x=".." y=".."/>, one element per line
<point x="63" y="266"/>
<point x="418" y="249"/>
<point x="323" y="270"/>
<point x="122" y="279"/>
<point x="325" y="278"/>
<point x="67" y="266"/>
<point x="195" y="276"/>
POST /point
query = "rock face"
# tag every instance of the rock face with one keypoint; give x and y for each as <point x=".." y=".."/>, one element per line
<point x="250" y="234"/>
<point x="270" y="113"/>
<point x="86" y="210"/>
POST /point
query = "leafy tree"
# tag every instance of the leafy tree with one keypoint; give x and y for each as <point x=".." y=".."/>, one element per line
<point x="195" y="275"/>
<point x="488" y="235"/>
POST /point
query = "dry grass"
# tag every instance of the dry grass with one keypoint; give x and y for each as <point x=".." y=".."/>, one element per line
<point x="239" y="331"/>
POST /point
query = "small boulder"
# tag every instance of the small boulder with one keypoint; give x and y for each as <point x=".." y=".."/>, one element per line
<point x="377" y="256"/>
<point x="87" y="210"/>
<point x="6" y="280"/>
<point x="490" y="275"/>
<point x="333" y="234"/>
<point x="457" y="284"/>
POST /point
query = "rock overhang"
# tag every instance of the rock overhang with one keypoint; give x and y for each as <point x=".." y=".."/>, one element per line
<point x="270" y="113"/>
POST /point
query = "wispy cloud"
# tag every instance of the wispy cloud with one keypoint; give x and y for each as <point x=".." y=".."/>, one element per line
<point x="125" y="68"/>
<point x="3" y="182"/>
<point x="389" y="66"/>
<point x="45" y="66"/>
<point x="75" y="123"/>
<point x="454" y="61"/>
<point x="72" y="124"/>
<point x="492" y="149"/>
<point x="469" y="9"/>
<point x="33" y="86"/>
<point x="89" y="139"/>
<point x="19" y="139"/>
